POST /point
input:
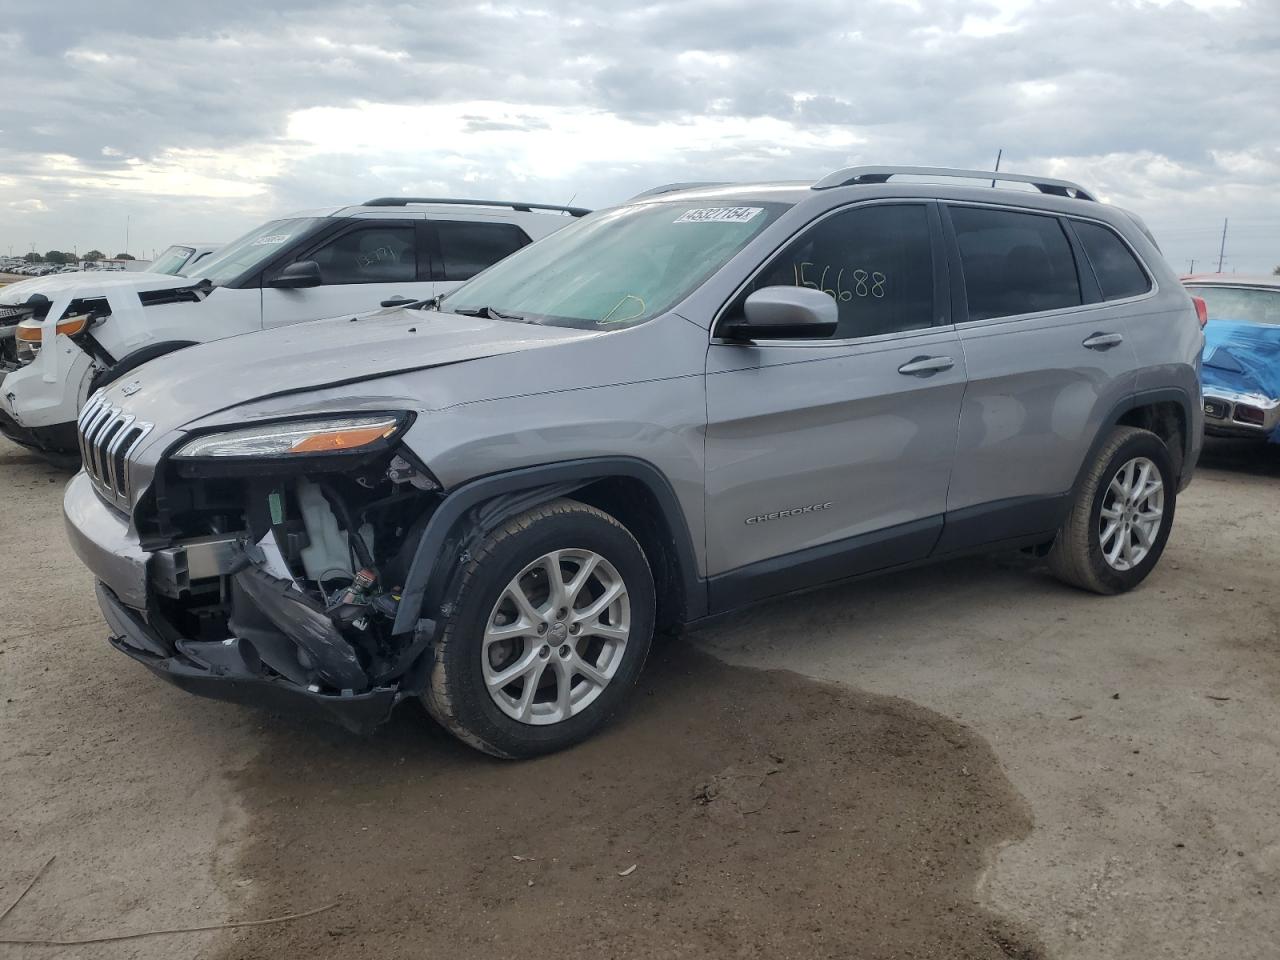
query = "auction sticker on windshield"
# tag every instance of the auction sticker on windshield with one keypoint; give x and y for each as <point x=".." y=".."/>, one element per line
<point x="719" y="215"/>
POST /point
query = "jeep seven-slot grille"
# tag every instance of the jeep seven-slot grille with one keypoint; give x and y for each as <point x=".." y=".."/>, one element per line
<point x="108" y="436"/>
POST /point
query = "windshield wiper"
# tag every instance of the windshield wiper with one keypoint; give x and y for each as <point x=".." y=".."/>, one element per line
<point x="490" y="314"/>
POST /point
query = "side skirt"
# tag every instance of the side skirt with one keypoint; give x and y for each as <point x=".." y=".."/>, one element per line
<point x="992" y="527"/>
<point x="825" y="563"/>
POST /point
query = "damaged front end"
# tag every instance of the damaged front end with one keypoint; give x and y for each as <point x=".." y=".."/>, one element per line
<point x="277" y="580"/>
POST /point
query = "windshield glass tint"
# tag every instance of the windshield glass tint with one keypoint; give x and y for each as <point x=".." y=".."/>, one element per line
<point x="170" y="261"/>
<point x="618" y="267"/>
<point x="253" y="249"/>
<point x="1240" y="303"/>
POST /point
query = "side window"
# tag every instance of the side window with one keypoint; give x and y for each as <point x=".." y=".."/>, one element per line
<point x="1119" y="274"/>
<point x="876" y="262"/>
<point x="1014" y="262"/>
<point x="377" y="254"/>
<point x="467" y="247"/>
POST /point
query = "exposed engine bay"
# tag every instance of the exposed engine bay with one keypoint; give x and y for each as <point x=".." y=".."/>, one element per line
<point x="293" y="577"/>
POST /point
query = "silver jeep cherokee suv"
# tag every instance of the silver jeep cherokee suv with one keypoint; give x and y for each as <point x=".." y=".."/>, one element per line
<point x="698" y="399"/>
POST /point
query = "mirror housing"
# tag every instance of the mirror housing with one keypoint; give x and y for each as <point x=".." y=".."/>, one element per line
<point x="301" y="273"/>
<point x="785" y="313"/>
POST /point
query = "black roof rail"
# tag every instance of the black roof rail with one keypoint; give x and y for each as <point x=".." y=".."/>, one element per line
<point x="682" y="185"/>
<point x="852" y="176"/>
<point x="513" y="204"/>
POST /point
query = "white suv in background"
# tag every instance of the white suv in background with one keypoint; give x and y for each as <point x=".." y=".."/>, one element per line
<point x="180" y="259"/>
<point x="61" y="337"/>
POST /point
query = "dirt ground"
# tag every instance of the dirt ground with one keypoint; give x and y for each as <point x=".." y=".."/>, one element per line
<point x="965" y="761"/>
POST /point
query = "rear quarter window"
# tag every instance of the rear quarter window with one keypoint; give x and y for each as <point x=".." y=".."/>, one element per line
<point x="1118" y="271"/>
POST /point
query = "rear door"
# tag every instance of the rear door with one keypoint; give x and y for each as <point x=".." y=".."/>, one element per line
<point x="827" y="458"/>
<point x="367" y="262"/>
<point x="1047" y="360"/>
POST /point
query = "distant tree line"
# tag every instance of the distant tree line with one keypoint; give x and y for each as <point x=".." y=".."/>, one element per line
<point x="63" y="257"/>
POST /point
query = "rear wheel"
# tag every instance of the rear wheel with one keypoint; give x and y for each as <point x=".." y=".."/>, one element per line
<point x="549" y="626"/>
<point x="1120" y="517"/>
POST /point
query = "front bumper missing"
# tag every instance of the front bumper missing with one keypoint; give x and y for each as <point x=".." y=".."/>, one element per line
<point x="231" y="670"/>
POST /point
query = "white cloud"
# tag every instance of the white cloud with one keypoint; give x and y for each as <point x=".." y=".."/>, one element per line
<point x="1168" y="106"/>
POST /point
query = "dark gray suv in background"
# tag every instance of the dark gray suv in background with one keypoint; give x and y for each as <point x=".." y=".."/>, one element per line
<point x="667" y="410"/>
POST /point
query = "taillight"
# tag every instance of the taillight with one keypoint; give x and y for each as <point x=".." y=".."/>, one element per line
<point x="1248" y="414"/>
<point x="1202" y="310"/>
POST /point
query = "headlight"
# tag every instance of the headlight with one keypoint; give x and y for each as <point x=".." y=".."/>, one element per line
<point x="29" y="334"/>
<point x="328" y="435"/>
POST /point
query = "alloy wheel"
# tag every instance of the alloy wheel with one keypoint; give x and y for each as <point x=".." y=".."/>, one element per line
<point x="1131" y="515"/>
<point x="556" y="636"/>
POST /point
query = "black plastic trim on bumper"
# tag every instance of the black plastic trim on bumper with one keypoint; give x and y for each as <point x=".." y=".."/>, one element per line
<point x="359" y="713"/>
<point x="59" y="438"/>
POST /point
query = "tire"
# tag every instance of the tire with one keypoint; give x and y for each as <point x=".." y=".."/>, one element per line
<point x="564" y="706"/>
<point x="1080" y="555"/>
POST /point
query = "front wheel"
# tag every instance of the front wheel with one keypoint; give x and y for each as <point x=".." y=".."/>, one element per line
<point x="1120" y="517"/>
<point x="547" y="630"/>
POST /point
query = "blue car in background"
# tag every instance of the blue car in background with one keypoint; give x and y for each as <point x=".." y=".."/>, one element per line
<point x="1241" y="372"/>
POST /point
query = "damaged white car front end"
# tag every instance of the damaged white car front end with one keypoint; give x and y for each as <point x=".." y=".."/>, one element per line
<point x="61" y="335"/>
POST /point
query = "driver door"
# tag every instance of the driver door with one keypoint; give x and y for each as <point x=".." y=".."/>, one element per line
<point x="829" y="458"/>
<point x="359" y="268"/>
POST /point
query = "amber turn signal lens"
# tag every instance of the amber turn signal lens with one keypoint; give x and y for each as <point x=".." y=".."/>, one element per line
<point x="30" y="331"/>
<point x="73" y="325"/>
<point x="341" y="439"/>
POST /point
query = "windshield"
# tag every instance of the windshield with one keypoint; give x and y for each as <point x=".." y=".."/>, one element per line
<point x="251" y="250"/>
<point x="171" y="260"/>
<point x="616" y="268"/>
<point x="1250" y="304"/>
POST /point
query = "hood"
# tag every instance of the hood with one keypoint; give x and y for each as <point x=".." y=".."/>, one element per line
<point x="1243" y="357"/>
<point x="88" y="283"/>
<point x="196" y="382"/>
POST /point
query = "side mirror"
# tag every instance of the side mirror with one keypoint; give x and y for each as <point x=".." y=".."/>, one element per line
<point x="786" y="313"/>
<point x="301" y="273"/>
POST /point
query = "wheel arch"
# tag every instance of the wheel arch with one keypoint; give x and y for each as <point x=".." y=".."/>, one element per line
<point x="1165" y="412"/>
<point x="634" y="491"/>
<point x="1167" y="419"/>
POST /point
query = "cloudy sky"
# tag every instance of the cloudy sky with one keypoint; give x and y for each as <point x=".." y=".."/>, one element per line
<point x="194" y="121"/>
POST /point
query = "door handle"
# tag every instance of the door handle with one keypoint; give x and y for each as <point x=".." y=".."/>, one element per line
<point x="1103" y="341"/>
<point x="926" y="366"/>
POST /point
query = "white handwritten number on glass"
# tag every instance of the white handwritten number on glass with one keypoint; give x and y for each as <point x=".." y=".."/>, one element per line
<point x="866" y="283"/>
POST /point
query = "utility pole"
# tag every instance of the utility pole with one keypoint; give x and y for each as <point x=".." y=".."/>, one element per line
<point x="999" y="154"/>
<point x="1192" y="268"/>
<point x="126" y="234"/>
<point x="1222" y="249"/>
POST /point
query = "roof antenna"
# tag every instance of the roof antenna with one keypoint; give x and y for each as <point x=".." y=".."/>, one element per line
<point x="999" y="154"/>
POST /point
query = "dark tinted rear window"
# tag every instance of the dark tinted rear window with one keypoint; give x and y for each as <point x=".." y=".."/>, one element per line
<point x="1014" y="262"/>
<point x="466" y="247"/>
<point x="1119" y="274"/>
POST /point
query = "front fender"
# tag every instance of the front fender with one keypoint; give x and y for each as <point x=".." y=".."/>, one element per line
<point x="430" y="559"/>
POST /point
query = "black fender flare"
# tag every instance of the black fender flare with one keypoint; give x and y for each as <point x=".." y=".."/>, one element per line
<point x="521" y="489"/>
<point x="136" y="359"/>
<point x="1133" y="401"/>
